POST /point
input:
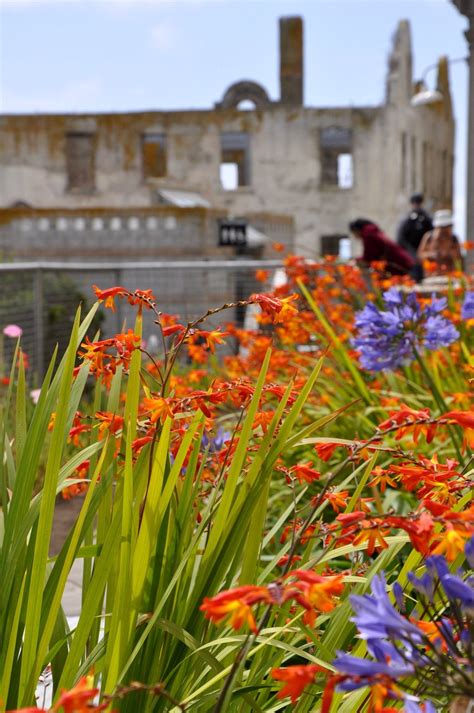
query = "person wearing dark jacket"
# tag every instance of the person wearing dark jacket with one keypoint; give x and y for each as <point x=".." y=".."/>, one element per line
<point x="378" y="247"/>
<point x="412" y="229"/>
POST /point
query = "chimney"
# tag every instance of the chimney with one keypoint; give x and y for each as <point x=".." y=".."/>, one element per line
<point x="291" y="60"/>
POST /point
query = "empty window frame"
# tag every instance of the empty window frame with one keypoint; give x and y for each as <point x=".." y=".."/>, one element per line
<point x="154" y="158"/>
<point x="80" y="162"/>
<point x="235" y="160"/>
<point x="335" y="145"/>
<point x="330" y="244"/>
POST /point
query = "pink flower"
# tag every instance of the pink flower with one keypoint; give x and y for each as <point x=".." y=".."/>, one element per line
<point x="35" y="394"/>
<point x="13" y="331"/>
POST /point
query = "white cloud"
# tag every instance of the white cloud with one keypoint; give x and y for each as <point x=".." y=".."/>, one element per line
<point x="163" y="36"/>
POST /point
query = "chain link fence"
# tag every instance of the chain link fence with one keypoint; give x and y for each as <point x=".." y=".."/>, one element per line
<point x="42" y="298"/>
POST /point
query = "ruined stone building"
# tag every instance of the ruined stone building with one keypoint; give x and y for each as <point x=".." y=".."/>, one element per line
<point x="298" y="173"/>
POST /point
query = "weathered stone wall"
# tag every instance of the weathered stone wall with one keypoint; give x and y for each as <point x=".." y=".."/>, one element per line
<point x="396" y="148"/>
<point x="129" y="235"/>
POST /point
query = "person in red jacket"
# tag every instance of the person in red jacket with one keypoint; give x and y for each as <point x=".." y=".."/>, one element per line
<point x="379" y="247"/>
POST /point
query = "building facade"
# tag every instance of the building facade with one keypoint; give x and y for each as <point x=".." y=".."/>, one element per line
<point x="321" y="167"/>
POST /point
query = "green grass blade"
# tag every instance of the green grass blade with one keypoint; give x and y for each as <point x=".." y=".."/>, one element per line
<point x="41" y="543"/>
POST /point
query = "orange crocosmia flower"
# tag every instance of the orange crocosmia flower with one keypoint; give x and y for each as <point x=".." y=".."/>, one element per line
<point x="403" y="416"/>
<point x="373" y="535"/>
<point x="138" y="443"/>
<point x="465" y="419"/>
<point x="141" y="296"/>
<point x="278" y="247"/>
<point x="127" y="342"/>
<point x="108" y="422"/>
<point x="262" y="275"/>
<point x="283" y="561"/>
<point x="432" y="631"/>
<point x="287" y="309"/>
<point x="325" y="450"/>
<point x="263" y="419"/>
<point x="172" y="329"/>
<point x="212" y="338"/>
<point x="109" y="294"/>
<point x="420" y="531"/>
<point x="268" y="303"/>
<point x="382" y="478"/>
<point x="338" y="500"/>
<point x="158" y="408"/>
<point x="76" y="431"/>
<point x="451" y="543"/>
<point x="236" y="603"/>
<point x="314" y="592"/>
<point x="276" y="308"/>
<point x="305" y="473"/>
<point x="296" y="678"/>
<point x="79" y="699"/>
<point x="380" y="691"/>
<point x="197" y="353"/>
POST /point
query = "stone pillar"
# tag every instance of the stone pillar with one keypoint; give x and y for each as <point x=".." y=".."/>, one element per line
<point x="466" y="7"/>
<point x="470" y="139"/>
<point x="291" y="60"/>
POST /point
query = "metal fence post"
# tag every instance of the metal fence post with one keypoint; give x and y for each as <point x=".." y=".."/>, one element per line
<point x="38" y="319"/>
<point x="118" y="304"/>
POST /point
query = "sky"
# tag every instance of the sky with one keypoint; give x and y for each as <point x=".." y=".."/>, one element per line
<point x="117" y="55"/>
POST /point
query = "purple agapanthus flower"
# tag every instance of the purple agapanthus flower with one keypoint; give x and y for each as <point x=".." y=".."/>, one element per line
<point x="377" y="618"/>
<point x="469" y="552"/>
<point x="424" y="584"/>
<point x="467" y="309"/>
<point x="458" y="589"/>
<point x="390" y="663"/>
<point x="215" y="443"/>
<point x="402" y="649"/>
<point x="389" y="338"/>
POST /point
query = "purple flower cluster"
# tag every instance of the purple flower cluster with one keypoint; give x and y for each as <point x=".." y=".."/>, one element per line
<point x="216" y="443"/>
<point x="467" y="309"/>
<point x="400" y="648"/>
<point x="388" y="338"/>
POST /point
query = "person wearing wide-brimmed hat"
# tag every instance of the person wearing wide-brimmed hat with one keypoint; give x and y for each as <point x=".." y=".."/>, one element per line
<point x="440" y="245"/>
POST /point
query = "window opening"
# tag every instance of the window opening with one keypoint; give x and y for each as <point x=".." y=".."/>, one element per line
<point x="330" y="244"/>
<point x="345" y="248"/>
<point x="229" y="174"/>
<point x="80" y="162"/>
<point x="235" y="159"/>
<point x="335" y="145"/>
<point x="345" y="176"/>
<point x="154" y="156"/>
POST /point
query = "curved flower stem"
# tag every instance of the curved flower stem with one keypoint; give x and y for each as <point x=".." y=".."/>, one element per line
<point x="242" y="654"/>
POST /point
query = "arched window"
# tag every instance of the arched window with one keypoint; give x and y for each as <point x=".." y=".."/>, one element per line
<point x="245" y="91"/>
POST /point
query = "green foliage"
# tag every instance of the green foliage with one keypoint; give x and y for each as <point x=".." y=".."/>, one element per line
<point x="149" y="560"/>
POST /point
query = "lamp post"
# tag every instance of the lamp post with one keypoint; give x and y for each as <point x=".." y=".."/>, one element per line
<point x="466" y="7"/>
<point x="431" y="96"/>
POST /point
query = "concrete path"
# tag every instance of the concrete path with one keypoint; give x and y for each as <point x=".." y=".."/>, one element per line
<point x="65" y="515"/>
